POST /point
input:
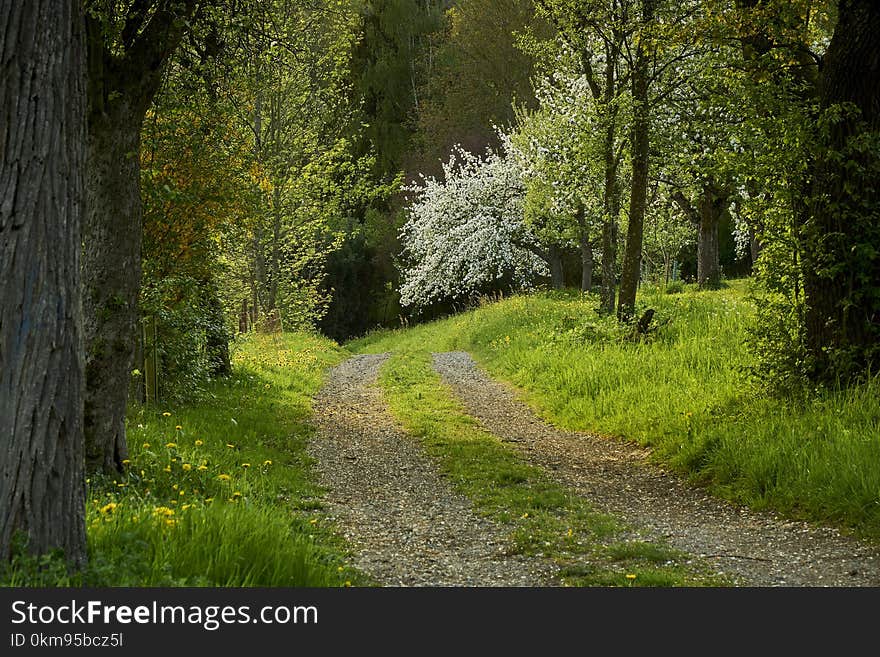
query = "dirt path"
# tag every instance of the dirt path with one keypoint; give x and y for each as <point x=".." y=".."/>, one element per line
<point x="405" y="523"/>
<point x="757" y="548"/>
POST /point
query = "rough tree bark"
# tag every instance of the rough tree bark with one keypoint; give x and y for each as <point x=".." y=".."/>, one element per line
<point x="122" y="81"/>
<point x="711" y="207"/>
<point x="557" y="273"/>
<point x="840" y="236"/>
<point x="42" y="155"/>
<point x="640" y="152"/>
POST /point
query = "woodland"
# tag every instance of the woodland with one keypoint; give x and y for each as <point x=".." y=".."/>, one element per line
<point x="205" y="203"/>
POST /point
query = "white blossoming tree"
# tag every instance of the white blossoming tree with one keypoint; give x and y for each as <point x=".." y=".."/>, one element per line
<point x="465" y="233"/>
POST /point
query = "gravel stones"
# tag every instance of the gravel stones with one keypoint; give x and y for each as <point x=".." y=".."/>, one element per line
<point x="403" y="520"/>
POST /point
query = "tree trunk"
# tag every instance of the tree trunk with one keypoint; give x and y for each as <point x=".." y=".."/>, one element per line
<point x="632" y="257"/>
<point x="586" y="263"/>
<point x="42" y="155"/>
<point x="557" y="277"/>
<point x="713" y="204"/>
<point x="840" y="237"/>
<point x="111" y="280"/>
<point x="124" y="74"/>
<point x="611" y="193"/>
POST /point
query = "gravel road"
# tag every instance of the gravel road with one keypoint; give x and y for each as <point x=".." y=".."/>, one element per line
<point x="758" y="549"/>
<point x="403" y="520"/>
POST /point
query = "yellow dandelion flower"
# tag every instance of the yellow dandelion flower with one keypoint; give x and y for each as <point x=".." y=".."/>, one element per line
<point x="178" y="427"/>
<point x="109" y="508"/>
<point x="267" y="462"/>
<point x="170" y="445"/>
<point x="163" y="511"/>
<point x="236" y="495"/>
<point x="186" y="467"/>
<point x="313" y="521"/>
<point x="199" y="443"/>
<point x="166" y="414"/>
<point x="230" y="445"/>
<point x="146" y="445"/>
<point x="209" y="499"/>
<point x="245" y="465"/>
<point x="182" y="493"/>
<point x="167" y="468"/>
<point x="223" y="477"/>
<point x="174" y="487"/>
<point x="202" y="468"/>
<point x="185" y="507"/>
<point x="126" y="461"/>
<point x="170" y="522"/>
<point x="630" y="576"/>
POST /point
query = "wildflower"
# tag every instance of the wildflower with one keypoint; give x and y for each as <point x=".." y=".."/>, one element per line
<point x="209" y="499"/>
<point x="146" y="445"/>
<point x="186" y="467"/>
<point x="185" y="507"/>
<point x="267" y="462"/>
<point x="630" y="576"/>
<point x="245" y="465"/>
<point x="170" y="445"/>
<point x="313" y="521"/>
<point x="199" y="443"/>
<point x="163" y="511"/>
<point x="236" y="495"/>
<point x="182" y="493"/>
<point x="178" y="427"/>
<point x="230" y="445"/>
<point x="174" y="487"/>
<point x="126" y="461"/>
<point x="223" y="477"/>
<point x="109" y="508"/>
<point x="202" y="468"/>
<point x="166" y="414"/>
<point x="167" y="468"/>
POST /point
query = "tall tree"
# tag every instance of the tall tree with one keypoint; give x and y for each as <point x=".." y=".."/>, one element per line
<point x="127" y="54"/>
<point x="640" y="155"/>
<point x="841" y="226"/>
<point x="42" y="154"/>
<point x="597" y="32"/>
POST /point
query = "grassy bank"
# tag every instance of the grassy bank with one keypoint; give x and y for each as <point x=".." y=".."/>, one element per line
<point x="217" y="493"/>
<point x="684" y="392"/>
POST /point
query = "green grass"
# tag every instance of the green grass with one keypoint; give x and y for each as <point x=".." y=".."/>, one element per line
<point x="544" y="518"/>
<point x="685" y="393"/>
<point x="217" y="493"/>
